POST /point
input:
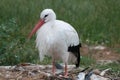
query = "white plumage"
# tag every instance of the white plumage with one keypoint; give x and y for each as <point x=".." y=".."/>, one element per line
<point x="54" y="37"/>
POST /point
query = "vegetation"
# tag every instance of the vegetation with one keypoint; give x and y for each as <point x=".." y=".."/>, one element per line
<point x="96" y="21"/>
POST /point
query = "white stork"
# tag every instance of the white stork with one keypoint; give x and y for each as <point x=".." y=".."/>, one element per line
<point x="57" y="39"/>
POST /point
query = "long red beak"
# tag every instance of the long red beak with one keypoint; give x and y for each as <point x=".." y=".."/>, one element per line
<point x="37" y="26"/>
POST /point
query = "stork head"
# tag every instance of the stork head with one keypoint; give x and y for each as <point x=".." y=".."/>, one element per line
<point x="46" y="15"/>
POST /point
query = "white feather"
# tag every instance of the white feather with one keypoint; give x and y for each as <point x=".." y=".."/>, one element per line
<point x="54" y="39"/>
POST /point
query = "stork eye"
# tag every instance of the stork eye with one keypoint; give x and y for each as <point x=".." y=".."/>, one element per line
<point x="45" y="15"/>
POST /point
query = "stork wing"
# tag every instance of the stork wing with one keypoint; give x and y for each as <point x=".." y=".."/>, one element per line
<point x="69" y="33"/>
<point x="72" y="37"/>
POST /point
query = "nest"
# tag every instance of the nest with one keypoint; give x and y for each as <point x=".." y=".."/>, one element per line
<point x="43" y="72"/>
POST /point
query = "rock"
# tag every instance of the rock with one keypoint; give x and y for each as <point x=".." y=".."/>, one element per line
<point x="96" y="71"/>
<point x="99" y="47"/>
<point x="97" y="77"/>
<point x="81" y="76"/>
<point x="104" y="62"/>
<point x="104" y="71"/>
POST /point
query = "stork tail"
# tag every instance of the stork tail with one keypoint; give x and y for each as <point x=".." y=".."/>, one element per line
<point x="75" y="50"/>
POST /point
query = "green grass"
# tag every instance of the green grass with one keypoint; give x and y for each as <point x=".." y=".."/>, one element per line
<point x="87" y="61"/>
<point x="96" y="21"/>
<point x="114" y="69"/>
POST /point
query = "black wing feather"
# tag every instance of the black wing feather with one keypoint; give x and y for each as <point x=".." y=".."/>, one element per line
<point x="76" y="51"/>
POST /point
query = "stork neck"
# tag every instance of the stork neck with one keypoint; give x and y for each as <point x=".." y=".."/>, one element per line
<point x="51" y="22"/>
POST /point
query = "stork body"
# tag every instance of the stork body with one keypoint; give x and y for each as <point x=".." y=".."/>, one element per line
<point x="57" y="39"/>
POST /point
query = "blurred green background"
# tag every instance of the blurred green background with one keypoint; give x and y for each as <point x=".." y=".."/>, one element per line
<point x="96" y="21"/>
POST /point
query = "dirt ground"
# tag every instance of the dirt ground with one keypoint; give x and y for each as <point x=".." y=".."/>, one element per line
<point x="43" y="72"/>
<point x="100" y="53"/>
<point x="40" y="72"/>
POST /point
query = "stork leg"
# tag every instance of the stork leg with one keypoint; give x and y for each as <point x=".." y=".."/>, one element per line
<point x="66" y="71"/>
<point x="53" y="67"/>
